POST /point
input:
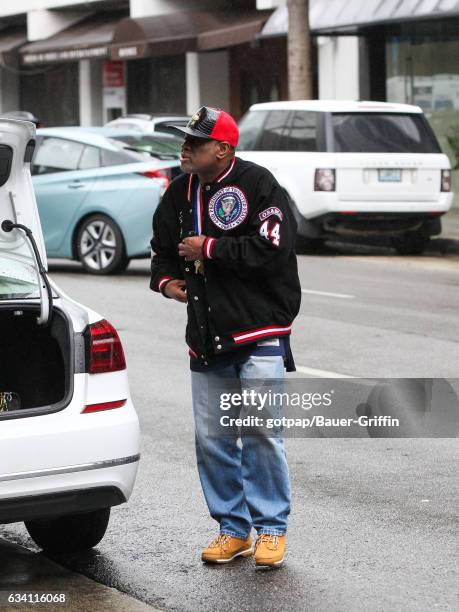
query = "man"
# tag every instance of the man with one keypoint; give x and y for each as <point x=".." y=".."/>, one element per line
<point x="224" y="243"/>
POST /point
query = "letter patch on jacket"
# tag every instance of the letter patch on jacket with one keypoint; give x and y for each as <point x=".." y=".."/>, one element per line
<point x="228" y="208"/>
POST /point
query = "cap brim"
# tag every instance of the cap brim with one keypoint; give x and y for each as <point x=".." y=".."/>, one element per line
<point x="190" y="132"/>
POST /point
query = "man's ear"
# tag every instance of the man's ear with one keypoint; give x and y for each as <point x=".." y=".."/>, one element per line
<point x="223" y="150"/>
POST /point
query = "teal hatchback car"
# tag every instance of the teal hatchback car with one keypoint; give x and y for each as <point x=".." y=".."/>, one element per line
<point x="96" y="195"/>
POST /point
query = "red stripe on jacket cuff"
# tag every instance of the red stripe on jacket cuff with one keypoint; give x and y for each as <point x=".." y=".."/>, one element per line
<point x="207" y="247"/>
<point x="163" y="282"/>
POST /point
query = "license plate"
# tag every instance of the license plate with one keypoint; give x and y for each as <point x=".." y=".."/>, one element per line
<point x="9" y="400"/>
<point x="389" y="175"/>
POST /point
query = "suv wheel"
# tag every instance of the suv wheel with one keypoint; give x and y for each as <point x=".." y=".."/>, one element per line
<point x="100" y="246"/>
<point x="411" y="243"/>
<point x="70" y="533"/>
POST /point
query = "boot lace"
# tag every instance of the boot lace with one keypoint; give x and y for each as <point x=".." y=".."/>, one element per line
<point x="221" y="540"/>
<point x="271" y="541"/>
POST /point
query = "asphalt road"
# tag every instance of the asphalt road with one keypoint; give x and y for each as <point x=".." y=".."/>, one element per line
<point x="374" y="521"/>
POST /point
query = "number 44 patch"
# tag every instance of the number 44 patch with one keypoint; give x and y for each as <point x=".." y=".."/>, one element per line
<point x="271" y="232"/>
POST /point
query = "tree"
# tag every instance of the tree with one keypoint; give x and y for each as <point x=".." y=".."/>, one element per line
<point x="299" y="50"/>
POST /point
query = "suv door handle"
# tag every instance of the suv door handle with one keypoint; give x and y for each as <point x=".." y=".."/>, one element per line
<point x="76" y="185"/>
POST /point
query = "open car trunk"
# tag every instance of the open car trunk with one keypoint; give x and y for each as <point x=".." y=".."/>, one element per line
<point x="35" y="361"/>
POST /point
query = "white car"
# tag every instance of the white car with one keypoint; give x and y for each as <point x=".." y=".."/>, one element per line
<point x="149" y="123"/>
<point x="353" y="168"/>
<point x="69" y="433"/>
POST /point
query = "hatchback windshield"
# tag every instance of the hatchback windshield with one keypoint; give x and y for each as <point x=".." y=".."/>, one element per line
<point x="382" y="133"/>
<point x="17" y="280"/>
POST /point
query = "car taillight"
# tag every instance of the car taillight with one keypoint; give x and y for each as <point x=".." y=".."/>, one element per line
<point x="161" y="176"/>
<point x="324" y="179"/>
<point x="105" y="351"/>
<point x="446" y="180"/>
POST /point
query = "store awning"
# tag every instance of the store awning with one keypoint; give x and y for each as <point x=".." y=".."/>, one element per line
<point x="338" y="17"/>
<point x="177" y="33"/>
<point x="89" y="38"/>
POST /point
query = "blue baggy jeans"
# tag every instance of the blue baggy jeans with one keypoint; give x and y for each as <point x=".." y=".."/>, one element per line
<point x="245" y="485"/>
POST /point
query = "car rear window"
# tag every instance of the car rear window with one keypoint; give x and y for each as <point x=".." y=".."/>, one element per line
<point x="122" y="156"/>
<point x="382" y="133"/>
<point x="164" y="148"/>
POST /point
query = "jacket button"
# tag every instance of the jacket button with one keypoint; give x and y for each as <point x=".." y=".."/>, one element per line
<point x="219" y="346"/>
<point x="208" y="309"/>
<point x="196" y="298"/>
<point x="205" y="363"/>
<point x="191" y="210"/>
<point x="217" y="338"/>
<point x="187" y="269"/>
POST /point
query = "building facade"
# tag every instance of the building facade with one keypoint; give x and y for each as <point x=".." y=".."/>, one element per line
<point x="82" y="63"/>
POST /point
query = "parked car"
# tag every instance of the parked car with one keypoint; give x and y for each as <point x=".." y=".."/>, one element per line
<point x="69" y="433"/>
<point x="23" y="115"/>
<point x="96" y="198"/>
<point x="150" y="123"/>
<point x="157" y="144"/>
<point x="353" y="168"/>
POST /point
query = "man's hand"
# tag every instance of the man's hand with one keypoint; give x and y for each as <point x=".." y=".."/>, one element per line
<point x="191" y="248"/>
<point x="176" y="289"/>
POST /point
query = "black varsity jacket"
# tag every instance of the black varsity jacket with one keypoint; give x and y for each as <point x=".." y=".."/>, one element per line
<point x="250" y="289"/>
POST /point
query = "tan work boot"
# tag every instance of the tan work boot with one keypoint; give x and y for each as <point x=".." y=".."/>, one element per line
<point x="224" y="548"/>
<point x="269" y="550"/>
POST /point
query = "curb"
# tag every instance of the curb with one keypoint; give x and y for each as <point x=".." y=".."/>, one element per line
<point x="33" y="575"/>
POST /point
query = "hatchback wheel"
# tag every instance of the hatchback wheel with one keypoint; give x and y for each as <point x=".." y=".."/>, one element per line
<point x="411" y="243"/>
<point x="70" y="533"/>
<point x="100" y="246"/>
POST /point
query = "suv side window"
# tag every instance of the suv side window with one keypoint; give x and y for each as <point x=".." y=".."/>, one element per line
<point x="56" y="155"/>
<point x="250" y="128"/>
<point x="275" y="132"/>
<point x="302" y="135"/>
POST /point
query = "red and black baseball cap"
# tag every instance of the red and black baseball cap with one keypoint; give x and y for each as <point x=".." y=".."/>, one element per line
<point x="212" y="123"/>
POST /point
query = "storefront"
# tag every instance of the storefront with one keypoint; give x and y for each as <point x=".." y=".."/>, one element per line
<point x="61" y="77"/>
<point x="406" y="52"/>
<point x="109" y="64"/>
<point x="422" y="67"/>
<point x="177" y="62"/>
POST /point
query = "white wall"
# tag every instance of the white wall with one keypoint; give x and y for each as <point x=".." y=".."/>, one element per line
<point x="269" y="4"/>
<point x="91" y="104"/>
<point x="145" y="8"/>
<point x="16" y="7"/>
<point x="44" y="23"/>
<point x="339" y="68"/>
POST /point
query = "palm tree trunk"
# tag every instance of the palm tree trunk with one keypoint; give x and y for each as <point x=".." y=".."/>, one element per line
<point x="299" y="50"/>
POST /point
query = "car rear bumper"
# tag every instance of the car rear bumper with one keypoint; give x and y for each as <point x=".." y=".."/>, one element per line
<point x="73" y="451"/>
<point x="46" y="505"/>
<point x="69" y="489"/>
<point x="340" y="224"/>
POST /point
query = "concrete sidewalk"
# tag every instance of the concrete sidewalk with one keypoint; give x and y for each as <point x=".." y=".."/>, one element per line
<point x="25" y="572"/>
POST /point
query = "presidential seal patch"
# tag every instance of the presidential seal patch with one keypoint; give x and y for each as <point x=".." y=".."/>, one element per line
<point x="228" y="208"/>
